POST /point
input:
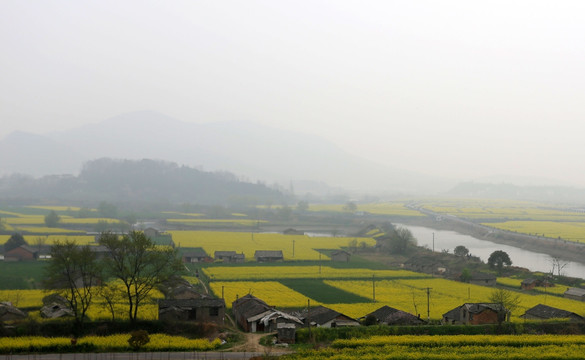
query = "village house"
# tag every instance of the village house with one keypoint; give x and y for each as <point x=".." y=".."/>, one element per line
<point x="340" y="256"/>
<point x="475" y="314"/>
<point x="9" y="312"/>
<point x="196" y="255"/>
<point x="544" y="312"/>
<point x="575" y="294"/>
<point x="254" y="315"/>
<point x="197" y="310"/>
<point x="56" y="310"/>
<point x="322" y="316"/>
<point x="248" y="307"/>
<point x="22" y="253"/>
<point x="229" y="257"/>
<point x="528" y="284"/>
<point x="387" y="315"/>
<point x="268" y="255"/>
<point x="483" y="279"/>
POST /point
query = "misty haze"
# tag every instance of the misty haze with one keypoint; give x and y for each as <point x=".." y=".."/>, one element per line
<point x="274" y="167"/>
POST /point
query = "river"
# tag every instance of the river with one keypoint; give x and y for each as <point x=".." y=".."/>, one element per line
<point x="448" y="240"/>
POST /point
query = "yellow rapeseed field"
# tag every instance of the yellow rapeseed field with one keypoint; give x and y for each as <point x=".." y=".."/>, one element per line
<point x="248" y="243"/>
<point x="271" y="292"/>
<point x="410" y="295"/>
<point x="571" y="231"/>
<point x="300" y="272"/>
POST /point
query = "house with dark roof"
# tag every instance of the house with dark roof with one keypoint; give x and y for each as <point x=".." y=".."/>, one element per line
<point x="322" y="316"/>
<point x="196" y="255"/>
<point x="21" y="253"/>
<point x="246" y="309"/>
<point x="475" y="314"/>
<point x="544" y="312"/>
<point x="8" y="312"/>
<point x="197" y="310"/>
<point x="483" y="279"/>
<point x="340" y="256"/>
<point x="56" y="310"/>
<point x="528" y="284"/>
<point x="229" y="257"/>
<point x="254" y="315"/>
<point x="268" y="255"/>
<point x="387" y="315"/>
<point x="575" y="294"/>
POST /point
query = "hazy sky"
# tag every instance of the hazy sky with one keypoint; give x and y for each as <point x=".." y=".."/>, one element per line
<point x="454" y="88"/>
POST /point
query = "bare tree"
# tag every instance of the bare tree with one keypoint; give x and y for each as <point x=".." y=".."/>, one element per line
<point x="559" y="265"/>
<point x="139" y="265"/>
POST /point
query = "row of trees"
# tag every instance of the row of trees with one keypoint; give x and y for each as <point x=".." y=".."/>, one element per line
<point x="130" y="269"/>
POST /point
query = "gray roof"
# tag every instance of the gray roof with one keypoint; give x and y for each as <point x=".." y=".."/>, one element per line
<point x="549" y="312"/>
<point x="6" y="310"/>
<point x="268" y="253"/>
<point x="198" y="252"/>
<point x="249" y="306"/>
<point x="575" y="292"/>
<point x="473" y="308"/>
<point x="225" y="253"/>
<point x="389" y="315"/>
<point x="321" y="315"/>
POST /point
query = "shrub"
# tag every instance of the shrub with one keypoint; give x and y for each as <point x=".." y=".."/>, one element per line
<point x="138" y="339"/>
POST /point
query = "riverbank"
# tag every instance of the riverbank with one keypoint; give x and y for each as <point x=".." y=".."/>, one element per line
<point x="561" y="249"/>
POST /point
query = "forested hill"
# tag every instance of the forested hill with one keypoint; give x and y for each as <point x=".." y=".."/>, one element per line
<point x="140" y="181"/>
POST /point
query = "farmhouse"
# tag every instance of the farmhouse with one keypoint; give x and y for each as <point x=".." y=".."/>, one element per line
<point x="475" y="314"/>
<point x="198" y="310"/>
<point x="23" y="253"/>
<point x="340" y="256"/>
<point x="196" y="255"/>
<point x="575" y="294"/>
<point x="483" y="279"/>
<point x="544" y="312"/>
<point x="56" y="310"/>
<point x="248" y="307"/>
<point x="321" y="316"/>
<point x="528" y="284"/>
<point x="9" y="312"/>
<point x="387" y="315"/>
<point x="229" y="257"/>
<point x="268" y="255"/>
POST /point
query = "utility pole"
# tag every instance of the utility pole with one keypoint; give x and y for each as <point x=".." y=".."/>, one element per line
<point x="293" y="247"/>
<point x="309" y="317"/>
<point x="428" y="304"/>
<point x="374" y="287"/>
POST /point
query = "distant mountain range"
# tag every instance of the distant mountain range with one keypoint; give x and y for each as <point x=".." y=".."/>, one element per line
<point x="251" y="151"/>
